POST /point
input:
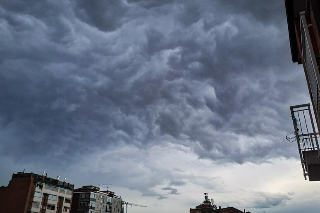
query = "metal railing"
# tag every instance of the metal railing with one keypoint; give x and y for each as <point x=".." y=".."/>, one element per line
<point x="304" y="132"/>
<point x="310" y="63"/>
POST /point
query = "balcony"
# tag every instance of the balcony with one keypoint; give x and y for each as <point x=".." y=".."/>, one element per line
<point x="310" y="63"/>
<point x="307" y="138"/>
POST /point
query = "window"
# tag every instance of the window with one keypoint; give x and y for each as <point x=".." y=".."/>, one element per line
<point x="67" y="200"/>
<point x="92" y="205"/>
<point x="92" y="197"/>
<point x="51" y="207"/>
<point x="52" y="197"/>
<point x="52" y="188"/>
<point x="108" y="209"/>
<point x="37" y="194"/>
<point x="109" y="199"/>
<point x="35" y="204"/>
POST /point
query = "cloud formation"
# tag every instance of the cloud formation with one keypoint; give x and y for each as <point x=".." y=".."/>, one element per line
<point x="268" y="200"/>
<point x="121" y="79"/>
<point x="171" y="190"/>
<point x="85" y="75"/>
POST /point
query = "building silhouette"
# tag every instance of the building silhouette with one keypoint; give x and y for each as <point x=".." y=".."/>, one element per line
<point x="208" y="206"/>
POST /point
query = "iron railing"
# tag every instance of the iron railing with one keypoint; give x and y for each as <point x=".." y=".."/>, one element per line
<point x="310" y="63"/>
<point x="304" y="131"/>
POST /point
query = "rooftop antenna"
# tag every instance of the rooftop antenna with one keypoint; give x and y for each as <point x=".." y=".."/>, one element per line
<point x="106" y="184"/>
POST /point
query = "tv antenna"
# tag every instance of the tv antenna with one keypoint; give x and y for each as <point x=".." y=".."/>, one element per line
<point x="104" y="185"/>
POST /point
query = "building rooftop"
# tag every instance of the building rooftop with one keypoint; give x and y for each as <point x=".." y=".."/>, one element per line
<point x="96" y="189"/>
<point x="44" y="179"/>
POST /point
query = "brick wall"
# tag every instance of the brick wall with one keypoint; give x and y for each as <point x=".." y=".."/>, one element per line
<point x="15" y="198"/>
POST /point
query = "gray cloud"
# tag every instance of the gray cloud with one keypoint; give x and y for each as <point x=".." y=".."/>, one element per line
<point x="79" y="77"/>
<point x="150" y="4"/>
<point x="162" y="197"/>
<point x="269" y="200"/>
<point x="105" y="15"/>
<point x="172" y="190"/>
<point x="177" y="183"/>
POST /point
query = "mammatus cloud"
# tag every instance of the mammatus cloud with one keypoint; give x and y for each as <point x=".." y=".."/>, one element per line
<point x="78" y="78"/>
<point x="89" y="76"/>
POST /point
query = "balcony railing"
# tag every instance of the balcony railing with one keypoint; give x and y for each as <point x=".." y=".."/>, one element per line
<point x="310" y="64"/>
<point x="306" y="137"/>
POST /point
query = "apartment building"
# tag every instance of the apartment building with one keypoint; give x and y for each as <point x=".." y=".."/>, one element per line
<point x="33" y="193"/>
<point x="303" y="17"/>
<point x="89" y="199"/>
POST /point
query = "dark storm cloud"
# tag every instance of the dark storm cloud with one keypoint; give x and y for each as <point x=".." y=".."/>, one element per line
<point x="270" y="12"/>
<point x="105" y="15"/>
<point x="149" y="4"/>
<point x="77" y="77"/>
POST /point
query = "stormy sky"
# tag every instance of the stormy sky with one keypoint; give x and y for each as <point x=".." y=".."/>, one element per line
<point x="161" y="100"/>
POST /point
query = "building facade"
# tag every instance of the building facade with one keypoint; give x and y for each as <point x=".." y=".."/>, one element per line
<point x="303" y="17"/>
<point x="33" y="193"/>
<point x="89" y="199"/>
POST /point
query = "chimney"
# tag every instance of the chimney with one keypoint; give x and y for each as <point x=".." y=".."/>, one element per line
<point x="219" y="207"/>
<point x="244" y="211"/>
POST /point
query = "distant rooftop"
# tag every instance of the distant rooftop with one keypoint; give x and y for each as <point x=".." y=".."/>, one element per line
<point x="44" y="179"/>
<point x="91" y="188"/>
